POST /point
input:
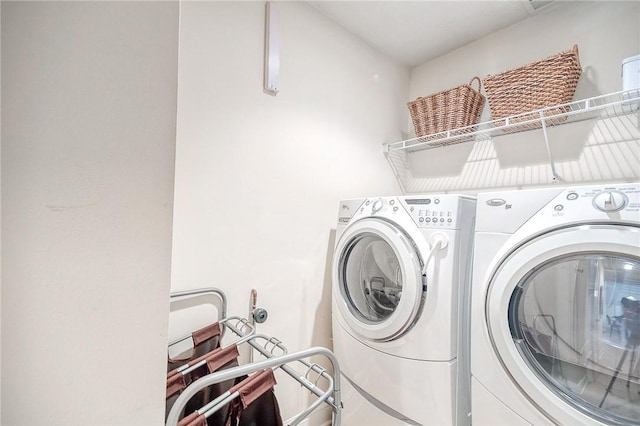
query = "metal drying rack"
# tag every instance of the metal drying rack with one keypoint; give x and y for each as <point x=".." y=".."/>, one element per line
<point x="276" y="358"/>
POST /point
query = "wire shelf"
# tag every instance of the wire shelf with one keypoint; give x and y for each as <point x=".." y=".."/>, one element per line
<point x="605" y="106"/>
<point x="614" y="141"/>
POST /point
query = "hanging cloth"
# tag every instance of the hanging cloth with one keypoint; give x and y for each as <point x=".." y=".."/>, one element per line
<point x="205" y="340"/>
<point x="215" y="360"/>
<point x="193" y="419"/>
<point x="256" y="405"/>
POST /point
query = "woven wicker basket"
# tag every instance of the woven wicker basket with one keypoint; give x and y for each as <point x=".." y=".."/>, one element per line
<point x="541" y="84"/>
<point x="447" y="110"/>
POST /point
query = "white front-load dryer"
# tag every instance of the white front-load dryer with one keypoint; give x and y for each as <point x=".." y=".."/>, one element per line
<point x="400" y="308"/>
<point x="556" y="307"/>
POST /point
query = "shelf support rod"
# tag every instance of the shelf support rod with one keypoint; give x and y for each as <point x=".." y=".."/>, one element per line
<point x="546" y="142"/>
<point x="394" y="169"/>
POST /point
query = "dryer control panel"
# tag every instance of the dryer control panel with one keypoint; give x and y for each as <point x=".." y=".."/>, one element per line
<point x="614" y="202"/>
<point x="506" y="212"/>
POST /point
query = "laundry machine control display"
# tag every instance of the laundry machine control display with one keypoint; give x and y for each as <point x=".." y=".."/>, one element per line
<point x="606" y="199"/>
<point x="427" y="212"/>
<point x="507" y="211"/>
<point x="436" y="212"/>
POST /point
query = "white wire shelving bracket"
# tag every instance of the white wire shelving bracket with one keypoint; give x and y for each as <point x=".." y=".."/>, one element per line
<point x="600" y="107"/>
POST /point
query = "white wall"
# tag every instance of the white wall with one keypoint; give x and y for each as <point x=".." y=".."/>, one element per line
<point x="606" y="150"/>
<point x="0" y="219"/>
<point x="259" y="178"/>
<point x="88" y="141"/>
<point x="89" y="109"/>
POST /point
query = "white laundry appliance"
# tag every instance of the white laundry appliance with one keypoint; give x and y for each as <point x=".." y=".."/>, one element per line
<point x="556" y="307"/>
<point x="400" y="306"/>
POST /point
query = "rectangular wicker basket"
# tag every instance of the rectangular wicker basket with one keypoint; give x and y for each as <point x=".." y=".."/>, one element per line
<point x="447" y="110"/>
<point x="547" y="82"/>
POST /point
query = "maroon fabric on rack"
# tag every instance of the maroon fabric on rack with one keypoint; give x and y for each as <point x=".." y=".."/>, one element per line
<point x="175" y="385"/>
<point x="215" y="360"/>
<point x="222" y="357"/>
<point x="193" y="419"/>
<point x="264" y="411"/>
<point x="219" y="418"/>
<point x="204" y="340"/>
<point x="254" y="386"/>
<point x="199" y="399"/>
<point x="206" y="333"/>
<point x="257" y="404"/>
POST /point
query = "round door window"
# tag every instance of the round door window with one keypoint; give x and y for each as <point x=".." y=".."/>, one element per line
<point x="377" y="280"/>
<point x="576" y="322"/>
<point x="371" y="278"/>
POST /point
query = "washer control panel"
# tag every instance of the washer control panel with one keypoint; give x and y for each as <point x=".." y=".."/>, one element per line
<point x="432" y="212"/>
<point x="426" y="211"/>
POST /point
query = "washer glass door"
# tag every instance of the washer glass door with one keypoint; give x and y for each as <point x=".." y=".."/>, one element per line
<point x="573" y="316"/>
<point x="372" y="278"/>
<point x="378" y="278"/>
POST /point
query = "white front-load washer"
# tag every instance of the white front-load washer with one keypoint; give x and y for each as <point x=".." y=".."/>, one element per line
<point x="400" y="309"/>
<point x="556" y="306"/>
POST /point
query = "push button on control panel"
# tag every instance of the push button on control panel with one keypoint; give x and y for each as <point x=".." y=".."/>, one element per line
<point x="426" y="212"/>
<point x="572" y="196"/>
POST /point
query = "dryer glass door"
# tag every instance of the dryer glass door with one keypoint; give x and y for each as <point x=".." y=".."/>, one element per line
<point x="577" y="322"/>
<point x="378" y="279"/>
<point x="573" y="313"/>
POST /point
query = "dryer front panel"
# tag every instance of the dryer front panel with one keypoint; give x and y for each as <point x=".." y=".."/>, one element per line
<point x="563" y="312"/>
<point x="377" y="279"/>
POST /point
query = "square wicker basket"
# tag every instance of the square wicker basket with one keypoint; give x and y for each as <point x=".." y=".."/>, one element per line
<point x="447" y="110"/>
<point x="547" y="82"/>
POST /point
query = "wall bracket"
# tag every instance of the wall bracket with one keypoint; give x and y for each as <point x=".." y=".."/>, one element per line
<point x="271" y="49"/>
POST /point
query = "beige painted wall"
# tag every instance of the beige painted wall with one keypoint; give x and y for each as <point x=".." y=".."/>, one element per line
<point x="88" y="143"/>
<point x="0" y="217"/>
<point x="89" y="114"/>
<point x="259" y="178"/>
<point x="606" y="32"/>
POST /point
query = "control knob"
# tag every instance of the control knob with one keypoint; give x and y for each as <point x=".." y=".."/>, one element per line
<point x="610" y="201"/>
<point x="377" y="205"/>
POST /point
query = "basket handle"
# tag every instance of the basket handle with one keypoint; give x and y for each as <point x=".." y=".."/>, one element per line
<point x="574" y="50"/>
<point x="479" y="83"/>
